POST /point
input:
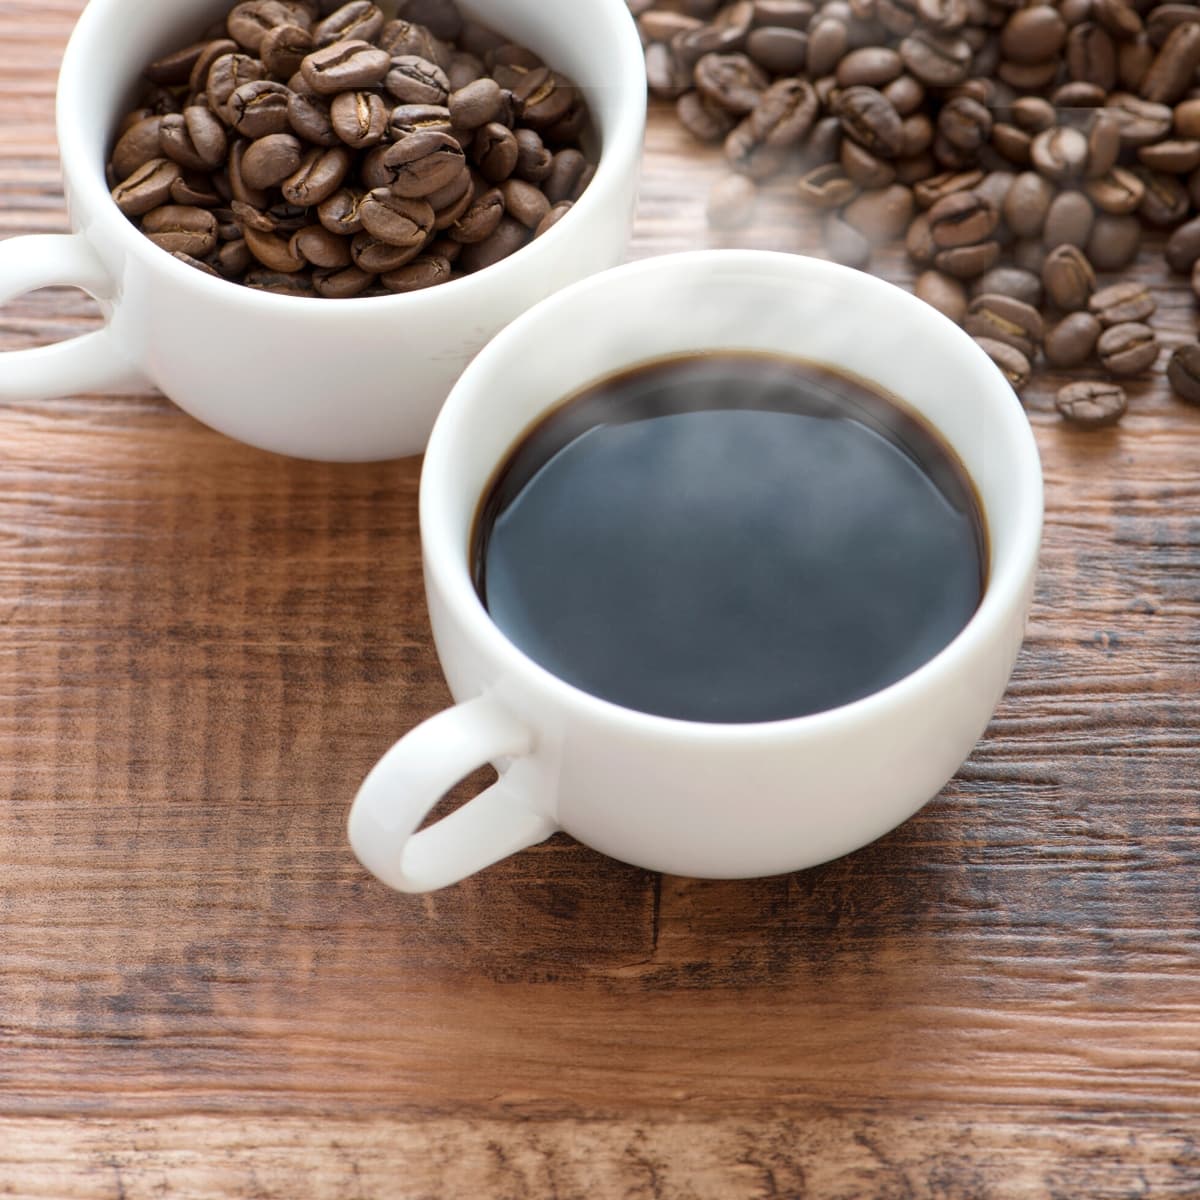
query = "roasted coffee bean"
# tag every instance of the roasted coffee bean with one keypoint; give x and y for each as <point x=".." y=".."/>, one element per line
<point x="844" y="244"/>
<point x="826" y="186"/>
<point x="284" y="48"/>
<point x="1014" y="366"/>
<point x="1183" y="247"/>
<point x="358" y="20"/>
<point x="147" y="188"/>
<point x="936" y="59"/>
<point x="864" y="168"/>
<point x="275" y="252"/>
<point x="342" y="283"/>
<point x="1011" y="281"/>
<point x="423" y="272"/>
<point x="731" y="80"/>
<point x="414" y="80"/>
<point x="259" y="109"/>
<point x="360" y="119"/>
<point x="965" y="123"/>
<point x="248" y="24"/>
<point x="942" y="292"/>
<point x="320" y="174"/>
<point x="268" y="161"/>
<point x="873" y="66"/>
<point x="880" y="215"/>
<point x="195" y="138"/>
<point x="962" y="219"/>
<point x="524" y="202"/>
<point x="1033" y="35"/>
<point x="1165" y="202"/>
<point x="1012" y="143"/>
<point x="137" y="146"/>
<point x="421" y="118"/>
<point x="1068" y="278"/>
<point x="929" y="191"/>
<point x="828" y="40"/>
<point x="344" y="65"/>
<point x="544" y="98"/>
<point x="1060" y="154"/>
<point x="968" y="262"/>
<point x="174" y="69"/>
<point x="376" y="256"/>
<point x="1091" y="55"/>
<point x="1174" y="67"/>
<point x="316" y="245"/>
<point x="480" y="219"/>
<point x="1121" y="303"/>
<point x="1187" y="118"/>
<point x="784" y="113"/>
<point x="177" y="228"/>
<point x="1073" y="340"/>
<point x="310" y="119"/>
<point x="868" y="117"/>
<point x="1118" y="193"/>
<point x="509" y="237"/>
<point x="1141" y="121"/>
<point x="441" y="17"/>
<point x="1175" y="156"/>
<point x="1005" y="320"/>
<point x="731" y="202"/>
<point x="1115" y="242"/>
<point x="195" y="263"/>
<point x="552" y="218"/>
<point x="341" y="213"/>
<point x="777" y="49"/>
<point x="918" y="241"/>
<point x="1104" y="144"/>
<point x="917" y="136"/>
<point x="473" y="106"/>
<point x="534" y="161"/>
<point x="495" y="152"/>
<point x="1119" y="18"/>
<point x="1078" y="94"/>
<point x="1069" y="220"/>
<point x="704" y="120"/>
<point x="1092" y="405"/>
<point x="1183" y="373"/>
<point x="1128" y="349"/>
<point x="565" y="176"/>
<point x="397" y="220"/>
<point x="225" y="76"/>
<point x="667" y="76"/>
<point x="906" y="94"/>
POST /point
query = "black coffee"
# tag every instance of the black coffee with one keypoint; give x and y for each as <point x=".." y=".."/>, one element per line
<point x="730" y="538"/>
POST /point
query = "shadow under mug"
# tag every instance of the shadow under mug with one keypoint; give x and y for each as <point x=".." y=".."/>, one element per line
<point x="339" y="380"/>
<point x="690" y="798"/>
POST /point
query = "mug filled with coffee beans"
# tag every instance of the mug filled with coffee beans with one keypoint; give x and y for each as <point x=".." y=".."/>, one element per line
<point x="728" y="557"/>
<point x="302" y="218"/>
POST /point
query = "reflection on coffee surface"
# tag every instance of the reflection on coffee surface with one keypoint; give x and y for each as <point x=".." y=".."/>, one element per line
<point x="730" y="538"/>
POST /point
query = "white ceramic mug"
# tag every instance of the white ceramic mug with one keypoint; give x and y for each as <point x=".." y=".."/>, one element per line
<point x="345" y="380"/>
<point x="690" y="798"/>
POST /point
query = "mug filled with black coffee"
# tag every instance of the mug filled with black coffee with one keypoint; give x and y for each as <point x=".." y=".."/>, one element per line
<point x="728" y="557"/>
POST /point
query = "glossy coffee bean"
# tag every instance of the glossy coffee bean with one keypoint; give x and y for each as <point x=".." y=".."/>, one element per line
<point x="1092" y="404"/>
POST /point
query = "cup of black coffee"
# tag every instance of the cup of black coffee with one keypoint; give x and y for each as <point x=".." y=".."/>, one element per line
<point x="728" y="558"/>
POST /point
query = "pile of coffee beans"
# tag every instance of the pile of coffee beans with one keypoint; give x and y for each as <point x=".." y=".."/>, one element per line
<point x="320" y="149"/>
<point x="1017" y="147"/>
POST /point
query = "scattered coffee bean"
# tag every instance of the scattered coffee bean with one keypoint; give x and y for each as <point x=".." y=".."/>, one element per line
<point x="323" y="150"/>
<point x="1122" y="303"/>
<point x="1128" y="349"/>
<point x="1183" y="373"/>
<point x="1017" y="146"/>
<point x="1092" y="405"/>
<point x="1014" y="365"/>
<point x="1073" y="340"/>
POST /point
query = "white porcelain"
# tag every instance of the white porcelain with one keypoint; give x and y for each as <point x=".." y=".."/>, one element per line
<point x="694" y="799"/>
<point x="348" y="380"/>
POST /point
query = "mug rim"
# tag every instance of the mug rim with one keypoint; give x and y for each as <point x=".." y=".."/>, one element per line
<point x="447" y="557"/>
<point x="620" y="155"/>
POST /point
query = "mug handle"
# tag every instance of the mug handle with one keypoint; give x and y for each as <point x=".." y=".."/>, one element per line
<point x="89" y="363"/>
<point x="416" y="773"/>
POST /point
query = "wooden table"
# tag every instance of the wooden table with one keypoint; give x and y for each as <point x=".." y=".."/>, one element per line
<point x="201" y="993"/>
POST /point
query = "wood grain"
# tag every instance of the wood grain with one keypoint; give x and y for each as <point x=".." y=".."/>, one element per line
<point x="204" y="648"/>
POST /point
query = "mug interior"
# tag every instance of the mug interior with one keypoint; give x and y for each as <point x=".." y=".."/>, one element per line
<point x="735" y="300"/>
<point x="592" y="41"/>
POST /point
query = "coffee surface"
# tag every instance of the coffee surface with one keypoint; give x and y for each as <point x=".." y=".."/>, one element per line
<point x="730" y="538"/>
